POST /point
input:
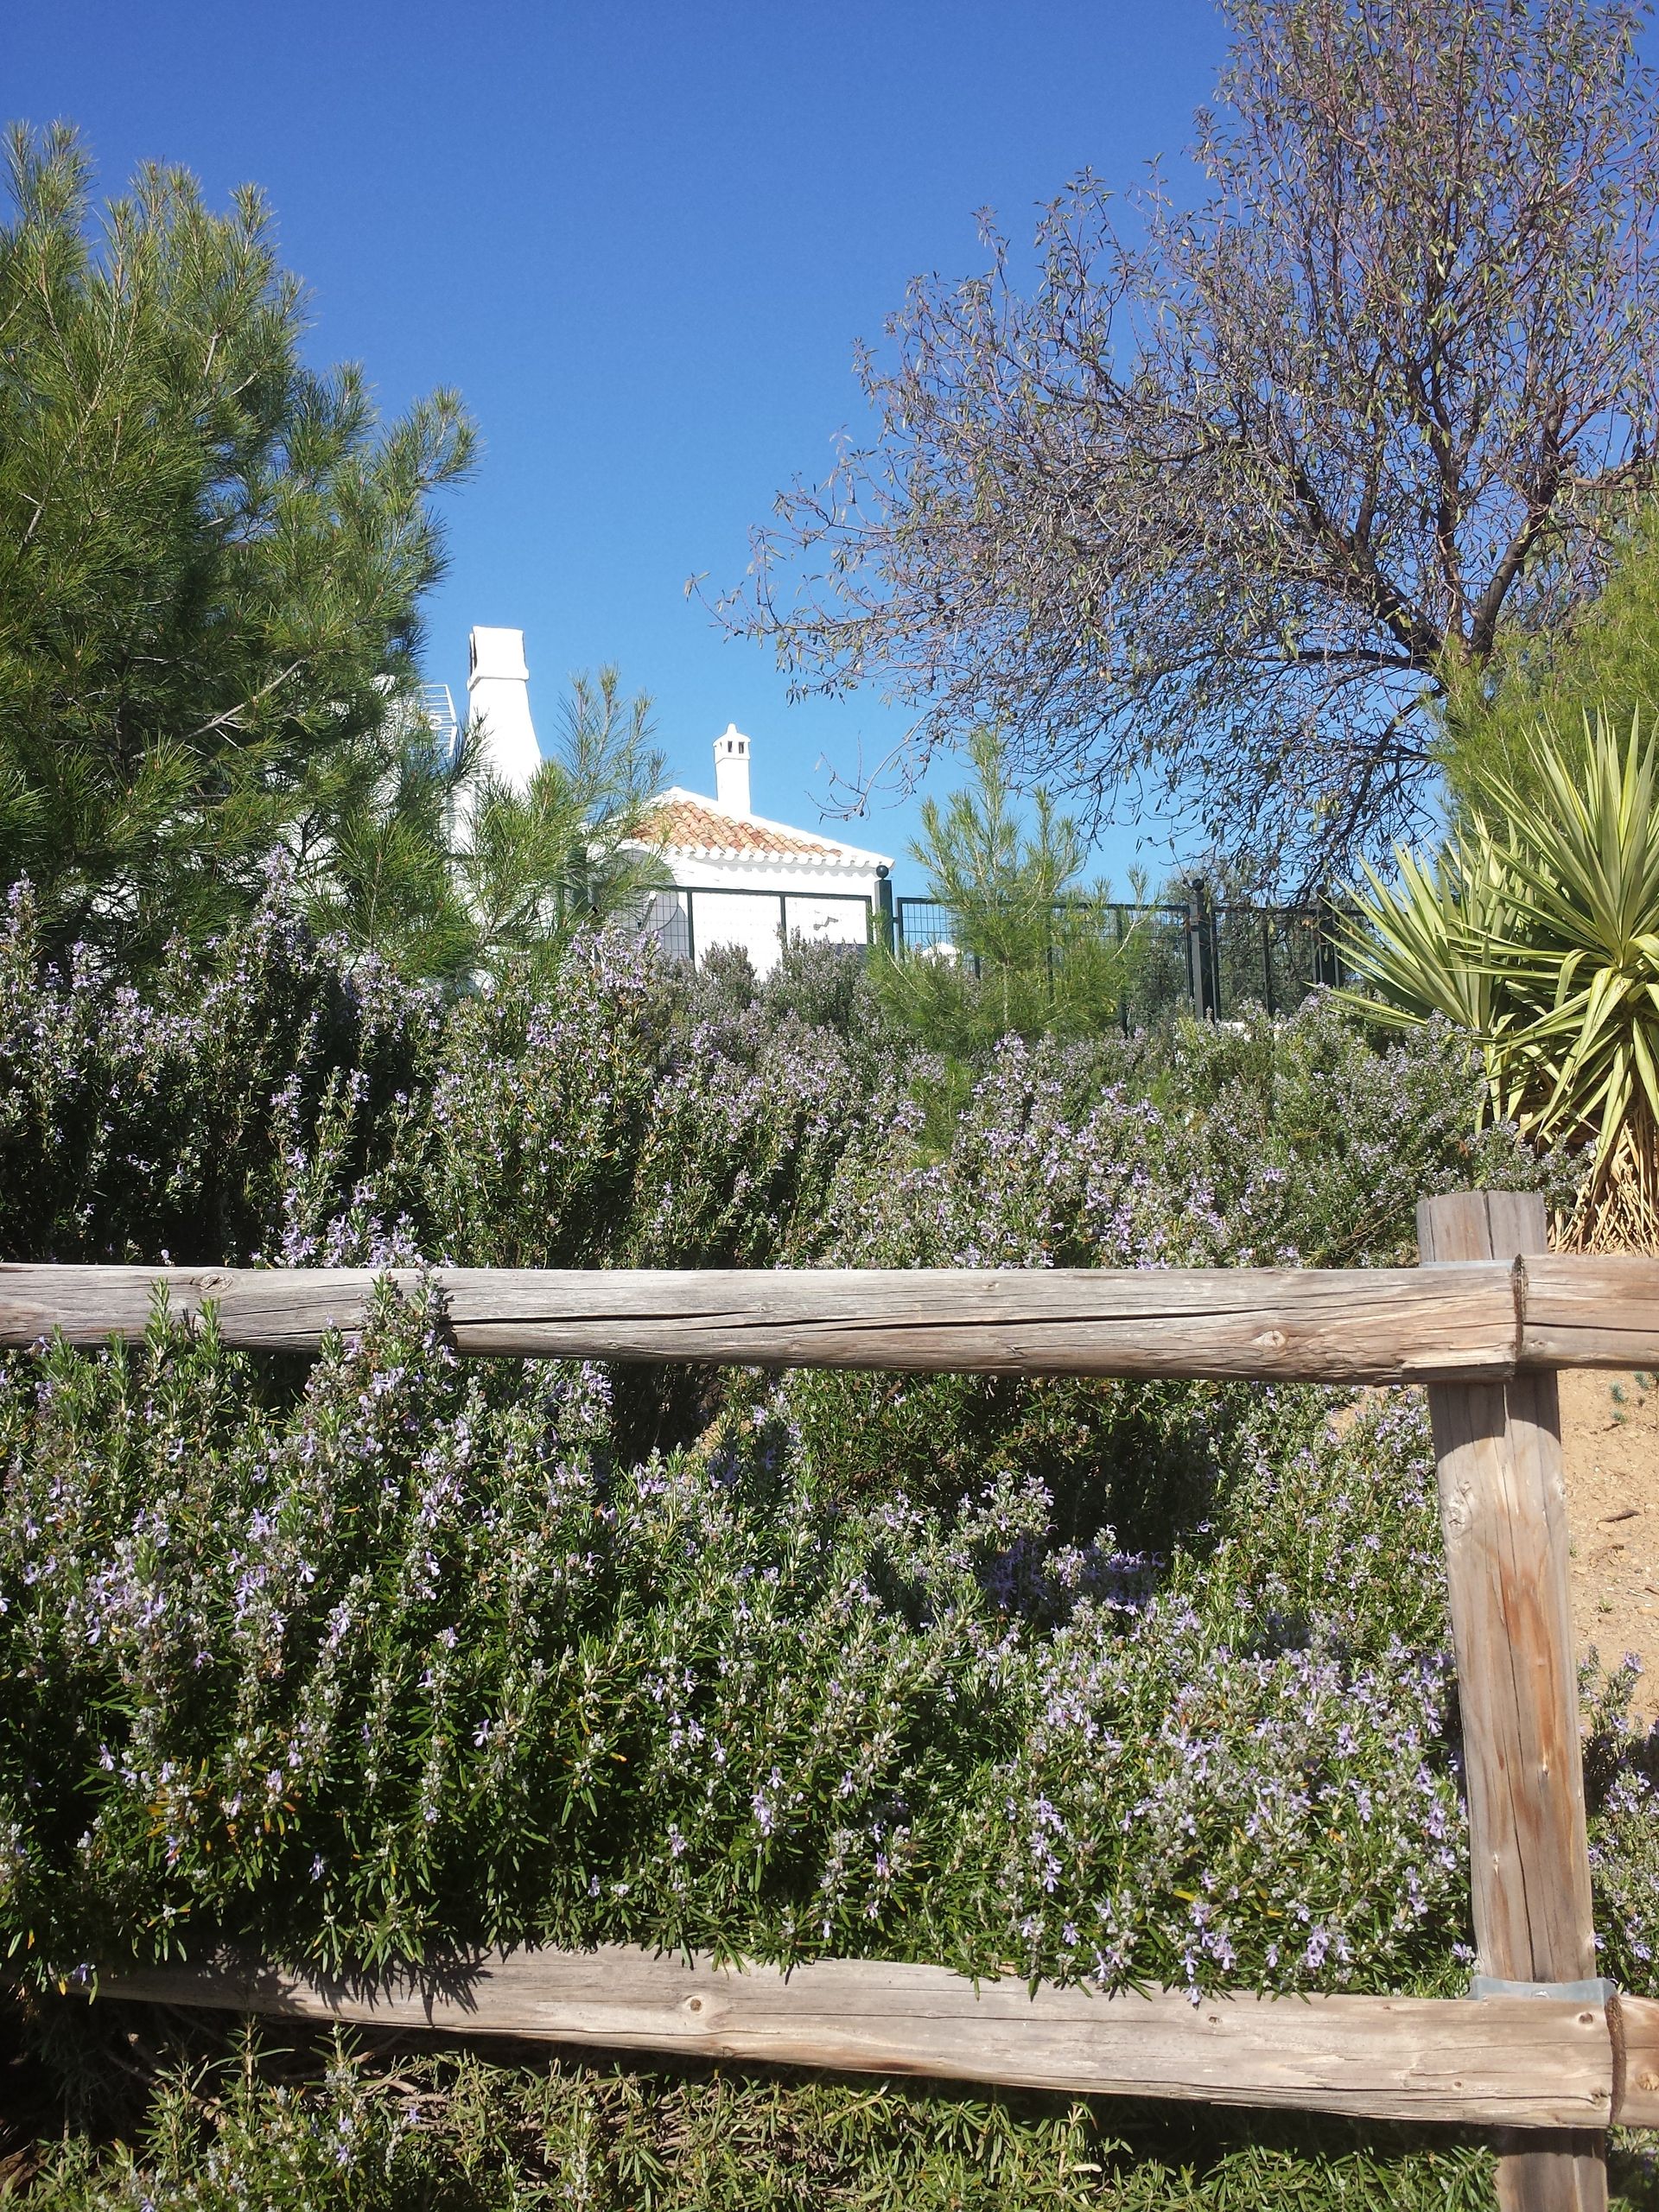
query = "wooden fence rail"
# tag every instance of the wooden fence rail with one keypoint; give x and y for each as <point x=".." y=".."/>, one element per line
<point x="1544" y="2050"/>
<point x="1484" y="1319"/>
<point x="1524" y="2062"/>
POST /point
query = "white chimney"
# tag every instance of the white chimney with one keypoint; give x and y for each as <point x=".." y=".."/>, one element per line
<point x="732" y="771"/>
<point x="497" y="696"/>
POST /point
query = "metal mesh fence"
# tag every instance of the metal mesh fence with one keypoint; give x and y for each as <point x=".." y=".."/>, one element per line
<point x="1212" y="961"/>
<point x="670" y="923"/>
<point x="1273" y="956"/>
<point x="1196" y="958"/>
<point x="689" y="921"/>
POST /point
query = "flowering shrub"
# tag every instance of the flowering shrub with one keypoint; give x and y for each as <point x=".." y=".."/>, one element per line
<point x="266" y="1102"/>
<point x="234" y="1106"/>
<point x="1266" y="1145"/>
<point x="1088" y="1680"/>
<point x="411" y="1662"/>
<point x="537" y="1111"/>
<point x="1269" y="1144"/>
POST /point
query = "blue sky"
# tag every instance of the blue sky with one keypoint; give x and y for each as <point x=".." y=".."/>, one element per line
<point x="641" y="241"/>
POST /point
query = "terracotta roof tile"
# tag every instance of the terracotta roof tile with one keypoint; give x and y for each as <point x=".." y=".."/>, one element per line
<point x="681" y="825"/>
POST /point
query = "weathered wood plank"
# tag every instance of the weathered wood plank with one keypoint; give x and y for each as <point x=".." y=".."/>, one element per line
<point x="1526" y="2062"/>
<point x="1369" y="1324"/>
<point x="1472" y="1320"/>
<point x="1635" y="2068"/>
<point x="1503" y="1512"/>
<point x="1584" y="1311"/>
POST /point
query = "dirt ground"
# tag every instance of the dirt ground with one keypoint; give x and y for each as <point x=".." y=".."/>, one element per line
<point x="1610" y="1440"/>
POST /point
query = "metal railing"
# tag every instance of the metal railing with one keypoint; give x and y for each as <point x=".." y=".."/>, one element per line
<point x="438" y="712"/>
<point x="1191" y="957"/>
<point x="673" y="919"/>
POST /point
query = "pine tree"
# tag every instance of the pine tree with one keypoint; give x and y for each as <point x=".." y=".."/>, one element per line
<point x="445" y="872"/>
<point x="1028" y="953"/>
<point x="212" y="560"/>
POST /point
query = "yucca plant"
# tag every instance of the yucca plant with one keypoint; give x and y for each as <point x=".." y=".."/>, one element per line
<point x="1536" y="929"/>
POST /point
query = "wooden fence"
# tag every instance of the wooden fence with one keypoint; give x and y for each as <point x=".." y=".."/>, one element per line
<point x="1543" y="2051"/>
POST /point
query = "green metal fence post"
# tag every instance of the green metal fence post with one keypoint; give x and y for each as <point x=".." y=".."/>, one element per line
<point x="1266" y="962"/>
<point x="884" y="915"/>
<point x="1201" y="954"/>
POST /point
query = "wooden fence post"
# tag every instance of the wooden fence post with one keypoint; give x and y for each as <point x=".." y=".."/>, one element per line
<point x="1503" y="1510"/>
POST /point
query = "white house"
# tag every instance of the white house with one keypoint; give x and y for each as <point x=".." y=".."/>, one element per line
<point x="739" y="879"/>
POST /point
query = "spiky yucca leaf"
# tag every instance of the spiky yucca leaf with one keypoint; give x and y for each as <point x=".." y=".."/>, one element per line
<point x="1538" y="931"/>
<point x="1586" y="859"/>
<point x="1423" y="947"/>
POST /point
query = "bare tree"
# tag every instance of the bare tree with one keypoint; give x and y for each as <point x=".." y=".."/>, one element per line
<point x="1210" y="511"/>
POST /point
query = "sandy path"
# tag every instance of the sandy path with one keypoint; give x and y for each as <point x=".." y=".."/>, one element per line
<point x="1610" y="1440"/>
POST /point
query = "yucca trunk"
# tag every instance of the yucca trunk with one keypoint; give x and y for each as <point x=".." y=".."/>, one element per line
<point x="1618" y="1207"/>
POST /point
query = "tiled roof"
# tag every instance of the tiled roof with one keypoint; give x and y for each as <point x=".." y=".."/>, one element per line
<point x="688" y="825"/>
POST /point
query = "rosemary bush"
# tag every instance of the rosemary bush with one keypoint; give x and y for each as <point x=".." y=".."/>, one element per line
<point x="407" y="2131"/>
<point x="387" y="1657"/>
